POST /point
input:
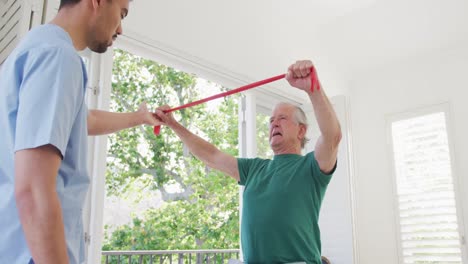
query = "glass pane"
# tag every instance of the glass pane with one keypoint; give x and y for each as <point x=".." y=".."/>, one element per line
<point x="158" y="196"/>
<point x="263" y="131"/>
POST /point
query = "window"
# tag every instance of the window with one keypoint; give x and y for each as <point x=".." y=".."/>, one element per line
<point x="427" y="215"/>
<point x="158" y="196"/>
<point x="263" y="131"/>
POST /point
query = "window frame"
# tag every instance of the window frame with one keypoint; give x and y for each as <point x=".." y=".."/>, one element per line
<point x="414" y="113"/>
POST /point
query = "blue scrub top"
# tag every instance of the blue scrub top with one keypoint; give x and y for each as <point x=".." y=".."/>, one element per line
<point x="42" y="101"/>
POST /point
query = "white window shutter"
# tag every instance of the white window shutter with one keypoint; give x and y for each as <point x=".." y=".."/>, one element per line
<point x="426" y="198"/>
<point x="16" y="18"/>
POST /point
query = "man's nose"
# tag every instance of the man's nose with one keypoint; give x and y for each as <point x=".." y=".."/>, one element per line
<point x="119" y="30"/>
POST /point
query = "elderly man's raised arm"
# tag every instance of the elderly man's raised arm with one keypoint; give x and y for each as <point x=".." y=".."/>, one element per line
<point x="326" y="148"/>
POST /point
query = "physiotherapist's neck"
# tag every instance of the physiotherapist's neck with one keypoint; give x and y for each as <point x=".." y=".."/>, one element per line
<point x="73" y="22"/>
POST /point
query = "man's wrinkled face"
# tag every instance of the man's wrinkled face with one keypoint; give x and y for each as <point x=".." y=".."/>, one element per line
<point x="284" y="129"/>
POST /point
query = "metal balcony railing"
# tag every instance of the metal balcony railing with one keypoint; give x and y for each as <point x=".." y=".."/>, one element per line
<point x="213" y="256"/>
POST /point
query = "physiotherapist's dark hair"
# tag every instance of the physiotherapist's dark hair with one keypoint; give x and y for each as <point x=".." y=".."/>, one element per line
<point x="72" y="2"/>
<point x="68" y="3"/>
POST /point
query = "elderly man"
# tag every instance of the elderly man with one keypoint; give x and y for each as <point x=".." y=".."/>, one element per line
<point x="283" y="195"/>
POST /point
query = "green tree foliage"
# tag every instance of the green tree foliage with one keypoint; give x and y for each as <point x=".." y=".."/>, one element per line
<point x="263" y="135"/>
<point x="203" y="214"/>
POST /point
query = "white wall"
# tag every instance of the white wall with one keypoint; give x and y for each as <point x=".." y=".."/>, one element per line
<point x="417" y="82"/>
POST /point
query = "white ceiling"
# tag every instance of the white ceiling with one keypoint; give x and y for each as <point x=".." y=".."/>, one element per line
<point x="256" y="39"/>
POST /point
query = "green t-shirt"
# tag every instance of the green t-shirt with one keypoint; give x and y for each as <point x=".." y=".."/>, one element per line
<point x="281" y="204"/>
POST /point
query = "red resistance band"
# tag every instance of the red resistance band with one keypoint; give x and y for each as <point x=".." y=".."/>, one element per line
<point x="313" y="78"/>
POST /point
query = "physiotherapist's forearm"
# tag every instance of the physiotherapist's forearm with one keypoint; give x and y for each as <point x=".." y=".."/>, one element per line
<point x="41" y="218"/>
<point x="38" y="204"/>
<point x="103" y="122"/>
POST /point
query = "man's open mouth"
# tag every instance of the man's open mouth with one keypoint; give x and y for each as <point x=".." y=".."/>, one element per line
<point x="276" y="134"/>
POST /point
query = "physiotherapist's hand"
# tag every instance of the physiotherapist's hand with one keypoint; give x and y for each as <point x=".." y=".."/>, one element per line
<point x="148" y="118"/>
<point x="165" y="118"/>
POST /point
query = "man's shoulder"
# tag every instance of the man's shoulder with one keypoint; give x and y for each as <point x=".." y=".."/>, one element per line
<point x="57" y="40"/>
<point x="252" y="164"/>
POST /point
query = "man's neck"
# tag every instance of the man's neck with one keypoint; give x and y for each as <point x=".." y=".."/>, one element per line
<point x="71" y="20"/>
<point x="287" y="150"/>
